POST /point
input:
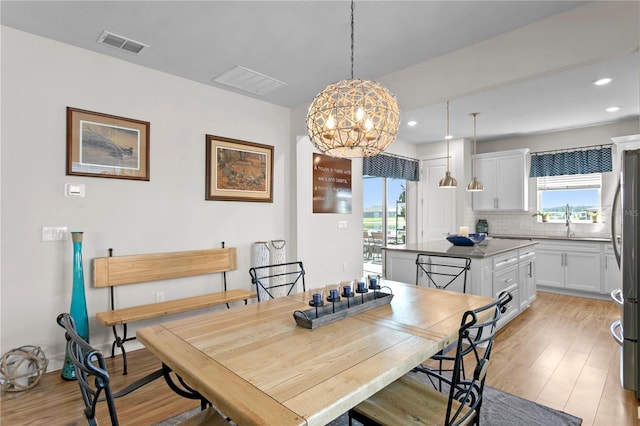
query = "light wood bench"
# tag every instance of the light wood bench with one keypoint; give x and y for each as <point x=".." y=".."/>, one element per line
<point x="113" y="271"/>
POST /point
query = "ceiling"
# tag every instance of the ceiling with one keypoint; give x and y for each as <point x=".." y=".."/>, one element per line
<point x="492" y="57"/>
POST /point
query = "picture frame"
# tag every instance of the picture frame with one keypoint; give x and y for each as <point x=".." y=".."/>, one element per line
<point x="107" y="146"/>
<point x="238" y="170"/>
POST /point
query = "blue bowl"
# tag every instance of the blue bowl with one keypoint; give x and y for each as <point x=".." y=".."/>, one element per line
<point x="459" y="240"/>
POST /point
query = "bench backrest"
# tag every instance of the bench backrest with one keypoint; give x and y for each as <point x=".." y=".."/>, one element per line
<point x="117" y="270"/>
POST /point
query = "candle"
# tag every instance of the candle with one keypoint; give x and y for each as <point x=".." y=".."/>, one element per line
<point x="334" y="294"/>
<point x="347" y="290"/>
<point x="373" y="281"/>
<point x="317" y="298"/>
<point x="360" y="286"/>
<point x="464" y="231"/>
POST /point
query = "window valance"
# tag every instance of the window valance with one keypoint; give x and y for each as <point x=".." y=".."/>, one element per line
<point x="571" y="163"/>
<point x="390" y="166"/>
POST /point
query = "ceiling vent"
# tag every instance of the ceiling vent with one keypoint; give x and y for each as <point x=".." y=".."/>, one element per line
<point x="250" y="81"/>
<point x="122" y="43"/>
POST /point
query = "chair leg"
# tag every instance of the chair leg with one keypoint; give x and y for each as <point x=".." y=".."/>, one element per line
<point x="354" y="415"/>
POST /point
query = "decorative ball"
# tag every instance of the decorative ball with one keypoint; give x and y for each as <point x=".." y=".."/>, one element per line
<point x="21" y="368"/>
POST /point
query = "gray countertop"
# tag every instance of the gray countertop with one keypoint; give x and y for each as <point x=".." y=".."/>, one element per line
<point x="491" y="248"/>
<point x="550" y="237"/>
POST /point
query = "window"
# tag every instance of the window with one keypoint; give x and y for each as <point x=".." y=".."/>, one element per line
<point x="581" y="193"/>
<point x="387" y="217"/>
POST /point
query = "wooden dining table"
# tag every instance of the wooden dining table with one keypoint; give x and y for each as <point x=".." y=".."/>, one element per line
<point x="259" y="368"/>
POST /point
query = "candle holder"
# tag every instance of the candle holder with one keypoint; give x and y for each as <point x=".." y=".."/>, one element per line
<point x="317" y="299"/>
<point x="333" y="295"/>
<point x="362" y="289"/>
<point x="322" y="313"/>
<point x="347" y="290"/>
<point x="374" y="282"/>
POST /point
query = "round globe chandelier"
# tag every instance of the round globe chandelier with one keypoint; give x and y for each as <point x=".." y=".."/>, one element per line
<point x="353" y="118"/>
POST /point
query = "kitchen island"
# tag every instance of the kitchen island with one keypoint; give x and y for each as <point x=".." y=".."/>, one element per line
<point x="496" y="265"/>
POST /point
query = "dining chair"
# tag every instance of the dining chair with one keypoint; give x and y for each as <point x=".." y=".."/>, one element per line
<point x="414" y="399"/>
<point x="94" y="382"/>
<point x="442" y="271"/>
<point x="277" y="280"/>
<point x="377" y="242"/>
<point x="367" y="245"/>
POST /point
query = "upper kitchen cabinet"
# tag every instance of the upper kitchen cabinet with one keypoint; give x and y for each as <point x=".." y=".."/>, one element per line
<point x="504" y="175"/>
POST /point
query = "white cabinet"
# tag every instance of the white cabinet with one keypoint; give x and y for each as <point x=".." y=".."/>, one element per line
<point x="569" y="265"/>
<point x="611" y="274"/>
<point x="582" y="271"/>
<point x="504" y="176"/>
<point x="549" y="267"/>
<point x="527" y="277"/>
<point x="512" y="271"/>
<point x="505" y="278"/>
<point x="400" y="266"/>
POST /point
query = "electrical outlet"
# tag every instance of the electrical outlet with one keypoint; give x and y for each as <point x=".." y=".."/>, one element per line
<point x="159" y="296"/>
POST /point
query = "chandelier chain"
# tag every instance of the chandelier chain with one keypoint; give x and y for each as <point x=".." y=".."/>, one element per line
<point x="447" y="136"/>
<point x="352" y="36"/>
<point x="475" y="167"/>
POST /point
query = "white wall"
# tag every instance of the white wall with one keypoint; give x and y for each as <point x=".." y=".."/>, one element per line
<point x="40" y="78"/>
<point x="460" y="167"/>
<point x="330" y="254"/>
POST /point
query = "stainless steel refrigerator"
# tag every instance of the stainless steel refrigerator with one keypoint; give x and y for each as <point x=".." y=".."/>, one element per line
<point x="625" y="232"/>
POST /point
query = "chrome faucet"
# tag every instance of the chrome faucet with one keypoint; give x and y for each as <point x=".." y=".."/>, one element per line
<point x="567" y="219"/>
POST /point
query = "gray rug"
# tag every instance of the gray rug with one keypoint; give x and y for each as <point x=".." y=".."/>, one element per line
<point x="498" y="409"/>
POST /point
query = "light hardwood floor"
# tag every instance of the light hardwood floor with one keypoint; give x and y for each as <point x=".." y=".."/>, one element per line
<point x="558" y="353"/>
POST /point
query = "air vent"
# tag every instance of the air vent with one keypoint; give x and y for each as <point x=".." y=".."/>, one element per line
<point x="250" y="81"/>
<point x="122" y="43"/>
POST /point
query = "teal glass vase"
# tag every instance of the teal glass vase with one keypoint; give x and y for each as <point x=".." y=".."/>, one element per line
<point x="78" y="309"/>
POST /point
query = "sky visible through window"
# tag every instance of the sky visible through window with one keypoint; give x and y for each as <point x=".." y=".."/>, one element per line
<point x="372" y="191"/>
<point x="556" y="200"/>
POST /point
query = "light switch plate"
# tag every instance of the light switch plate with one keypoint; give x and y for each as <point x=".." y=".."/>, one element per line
<point x="54" y="233"/>
<point x="74" y="190"/>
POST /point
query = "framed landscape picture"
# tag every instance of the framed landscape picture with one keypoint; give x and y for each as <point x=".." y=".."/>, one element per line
<point x="108" y="146"/>
<point x="238" y="170"/>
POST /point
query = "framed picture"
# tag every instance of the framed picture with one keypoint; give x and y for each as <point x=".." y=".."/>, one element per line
<point x="108" y="146"/>
<point x="238" y="170"/>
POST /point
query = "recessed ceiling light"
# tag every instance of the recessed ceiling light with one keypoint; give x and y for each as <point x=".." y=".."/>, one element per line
<point x="448" y="137"/>
<point x="411" y="123"/>
<point x="602" y="81"/>
<point x="613" y="109"/>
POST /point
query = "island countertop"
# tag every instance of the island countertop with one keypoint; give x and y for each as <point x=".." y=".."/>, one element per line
<point x="491" y="248"/>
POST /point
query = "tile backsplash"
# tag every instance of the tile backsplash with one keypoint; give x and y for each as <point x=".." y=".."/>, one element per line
<point x="522" y="223"/>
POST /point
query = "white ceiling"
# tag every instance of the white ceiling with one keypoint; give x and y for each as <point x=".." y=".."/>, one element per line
<point x="526" y="66"/>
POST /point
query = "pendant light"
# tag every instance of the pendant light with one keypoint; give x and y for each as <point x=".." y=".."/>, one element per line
<point x="353" y="118"/>
<point x="474" y="185"/>
<point x="448" y="181"/>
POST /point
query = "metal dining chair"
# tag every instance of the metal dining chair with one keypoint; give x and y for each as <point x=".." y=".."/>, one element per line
<point x="442" y="271"/>
<point x="94" y="382"/>
<point x="414" y="399"/>
<point x="277" y="280"/>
